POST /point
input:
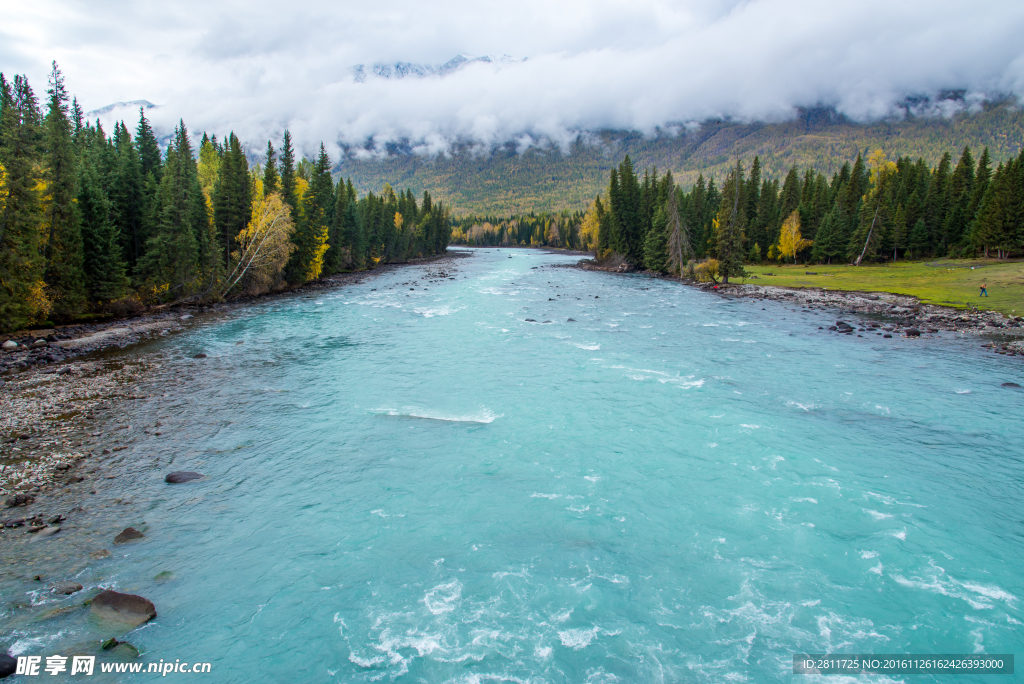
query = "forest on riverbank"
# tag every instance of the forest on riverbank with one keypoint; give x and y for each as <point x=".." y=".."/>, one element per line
<point x="871" y="211"/>
<point x="91" y="222"/>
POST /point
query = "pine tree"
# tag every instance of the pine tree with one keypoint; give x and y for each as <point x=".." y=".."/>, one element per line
<point x="680" y="238"/>
<point x="827" y="243"/>
<point x="288" y="179"/>
<point x="729" y="226"/>
<point x="128" y="199"/>
<point x="656" y="243"/>
<point x="176" y="252"/>
<point x="64" y="257"/>
<point x="149" y="149"/>
<point x="270" y="178"/>
<point x="23" y="298"/>
<point x="311" y="236"/>
<point x="105" y="274"/>
<point x="232" y="198"/>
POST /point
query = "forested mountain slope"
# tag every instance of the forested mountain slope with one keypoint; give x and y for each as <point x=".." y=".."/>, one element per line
<point x="506" y="182"/>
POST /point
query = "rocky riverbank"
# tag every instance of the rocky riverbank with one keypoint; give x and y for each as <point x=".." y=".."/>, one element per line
<point x="879" y="313"/>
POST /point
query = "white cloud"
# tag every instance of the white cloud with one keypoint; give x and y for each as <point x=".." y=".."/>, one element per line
<point x="257" y="67"/>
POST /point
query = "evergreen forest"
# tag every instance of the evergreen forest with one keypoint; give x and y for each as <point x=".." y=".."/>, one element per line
<point x="872" y="210"/>
<point x="93" y="222"/>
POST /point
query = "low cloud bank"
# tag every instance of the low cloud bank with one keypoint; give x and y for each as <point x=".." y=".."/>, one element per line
<point x="582" y="66"/>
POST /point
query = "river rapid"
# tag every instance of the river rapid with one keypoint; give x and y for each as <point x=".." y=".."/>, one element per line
<point x="410" y="480"/>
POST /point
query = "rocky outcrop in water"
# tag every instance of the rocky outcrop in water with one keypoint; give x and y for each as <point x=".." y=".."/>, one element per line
<point x="127" y="609"/>
<point x="66" y="588"/>
<point x="182" y="476"/>
<point x="127" y="535"/>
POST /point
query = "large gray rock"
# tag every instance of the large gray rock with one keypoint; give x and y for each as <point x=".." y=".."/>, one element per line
<point x="182" y="476"/>
<point x="10" y="345"/>
<point x="127" y="609"/>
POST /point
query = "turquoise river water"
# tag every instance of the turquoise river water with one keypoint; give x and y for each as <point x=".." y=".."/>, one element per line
<point x="420" y="485"/>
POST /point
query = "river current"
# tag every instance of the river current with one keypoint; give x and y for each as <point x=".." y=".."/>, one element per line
<point x="409" y="480"/>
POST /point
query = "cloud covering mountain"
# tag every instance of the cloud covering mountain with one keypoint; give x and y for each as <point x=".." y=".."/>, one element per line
<point x="258" y="67"/>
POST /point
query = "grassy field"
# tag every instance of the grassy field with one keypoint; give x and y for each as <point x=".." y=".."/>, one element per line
<point x="946" y="282"/>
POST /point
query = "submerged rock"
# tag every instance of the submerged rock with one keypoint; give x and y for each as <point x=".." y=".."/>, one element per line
<point x="102" y="553"/>
<point x="66" y="588"/>
<point x="1011" y="385"/>
<point x="200" y="355"/>
<point x="912" y="332"/>
<point x="128" y="609"/>
<point x="182" y="476"/>
<point x="127" y="535"/>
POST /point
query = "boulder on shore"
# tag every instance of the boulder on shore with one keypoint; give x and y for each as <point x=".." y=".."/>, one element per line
<point x="127" y="535"/>
<point x="912" y="332"/>
<point x="182" y="476"/>
<point x="128" y="609"/>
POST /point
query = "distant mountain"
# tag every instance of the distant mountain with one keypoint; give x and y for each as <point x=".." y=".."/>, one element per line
<point x="548" y="179"/>
<point x="409" y="69"/>
<point x="131" y="104"/>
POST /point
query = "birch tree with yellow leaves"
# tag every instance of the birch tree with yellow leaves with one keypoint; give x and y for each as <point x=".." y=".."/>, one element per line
<point x="791" y="242"/>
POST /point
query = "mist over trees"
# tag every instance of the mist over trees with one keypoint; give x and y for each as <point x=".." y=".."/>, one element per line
<point x="97" y="223"/>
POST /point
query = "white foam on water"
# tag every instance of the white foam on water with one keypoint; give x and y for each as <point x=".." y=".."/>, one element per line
<point x="563" y="616"/>
<point x="810" y="603"/>
<point x="901" y="535"/>
<point x="577" y="509"/>
<point x="592" y="478"/>
<point x="365" y="662"/>
<point x="549" y="497"/>
<point x="34" y="644"/>
<point x="589" y="346"/>
<point x="876" y="514"/>
<point x="868" y="555"/>
<point x="877" y="569"/>
<point x="542" y="652"/>
<point x="805" y="499"/>
<point x="484" y="415"/>
<point x="750" y="426"/>
<point x="805" y="407"/>
<point x="992" y="592"/>
<point x="522" y="573"/>
<point x="444" y="310"/>
<point x="578" y="638"/>
<point x="963" y="391"/>
<point x="443" y="598"/>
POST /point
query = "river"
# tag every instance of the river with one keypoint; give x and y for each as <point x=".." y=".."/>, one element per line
<point x="409" y="480"/>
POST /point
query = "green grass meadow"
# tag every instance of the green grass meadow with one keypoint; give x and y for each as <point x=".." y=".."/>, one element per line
<point x="945" y="282"/>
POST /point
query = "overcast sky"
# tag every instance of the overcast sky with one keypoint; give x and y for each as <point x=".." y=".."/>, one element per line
<point x="256" y="67"/>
